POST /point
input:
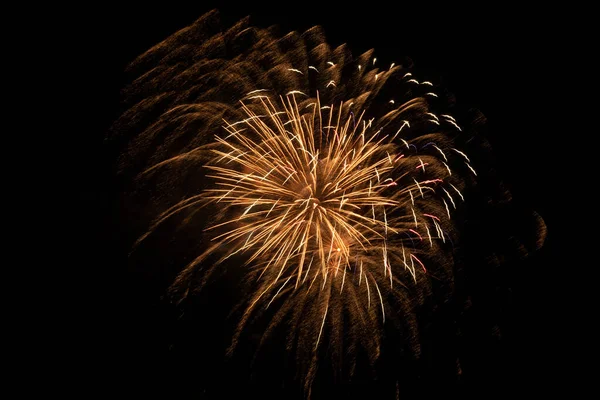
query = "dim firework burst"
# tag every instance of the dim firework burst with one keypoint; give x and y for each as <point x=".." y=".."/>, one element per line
<point x="335" y="181"/>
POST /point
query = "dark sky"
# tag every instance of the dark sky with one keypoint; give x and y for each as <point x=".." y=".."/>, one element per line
<point x="502" y="61"/>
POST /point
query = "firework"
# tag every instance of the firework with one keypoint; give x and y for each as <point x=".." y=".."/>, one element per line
<point x="330" y="179"/>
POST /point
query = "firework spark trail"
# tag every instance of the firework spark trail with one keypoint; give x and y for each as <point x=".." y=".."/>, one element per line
<point x="322" y="180"/>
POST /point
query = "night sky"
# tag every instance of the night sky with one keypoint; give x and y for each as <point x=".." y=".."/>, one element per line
<point x="502" y="62"/>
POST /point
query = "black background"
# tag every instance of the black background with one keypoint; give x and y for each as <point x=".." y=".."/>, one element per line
<point x="504" y="61"/>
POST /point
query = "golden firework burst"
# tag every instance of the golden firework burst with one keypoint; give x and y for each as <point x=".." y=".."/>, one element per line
<point x="333" y="180"/>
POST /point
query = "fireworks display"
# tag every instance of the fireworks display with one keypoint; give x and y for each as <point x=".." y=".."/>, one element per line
<point x="330" y="182"/>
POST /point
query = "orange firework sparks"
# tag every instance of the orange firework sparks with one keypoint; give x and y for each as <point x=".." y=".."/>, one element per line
<point x="334" y="181"/>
